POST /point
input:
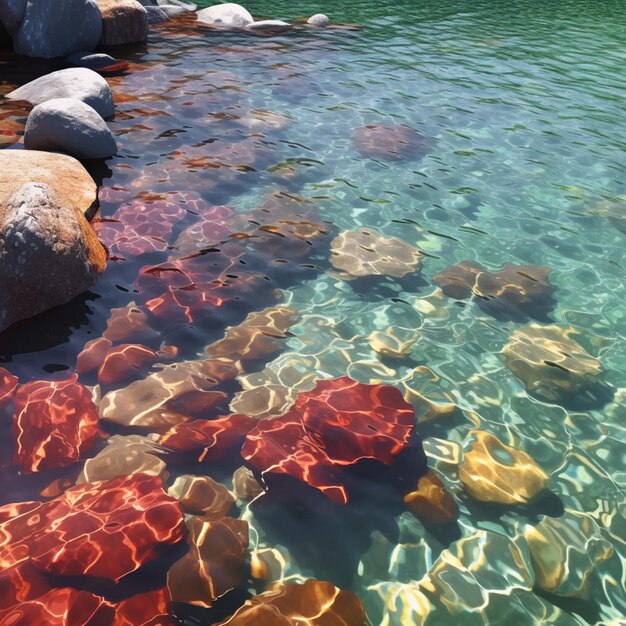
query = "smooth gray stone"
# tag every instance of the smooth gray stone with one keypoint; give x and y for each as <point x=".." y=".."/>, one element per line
<point x="188" y="6"/>
<point x="71" y="126"/>
<point x="319" y="20"/>
<point x="156" y="15"/>
<point x="46" y="258"/>
<point x="271" y="25"/>
<point x="11" y="14"/>
<point x="57" y="28"/>
<point x="91" y="60"/>
<point x="228" y="15"/>
<point x="75" y="82"/>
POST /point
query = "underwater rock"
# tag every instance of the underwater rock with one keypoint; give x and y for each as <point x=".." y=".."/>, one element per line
<point x="328" y="429"/>
<point x="145" y="609"/>
<point x="43" y="30"/>
<point x="565" y="551"/>
<point x="246" y="486"/>
<point x="314" y="603"/>
<point x="391" y="142"/>
<point x="210" y="229"/>
<point x="75" y="82"/>
<point x="227" y="15"/>
<point x="364" y="252"/>
<point x="319" y="20"/>
<point x="214" y="564"/>
<point x="71" y="126"/>
<point x="514" y="292"/>
<point x="129" y="322"/>
<point x="106" y="529"/>
<point x="124" y="455"/>
<point x="139" y="227"/>
<point x="550" y="363"/>
<point x="396" y="343"/>
<point x="263" y="401"/>
<point x="54" y="424"/>
<point x="123" y="22"/>
<point x="49" y="253"/>
<point x="494" y="472"/>
<point x="431" y="502"/>
<point x="259" y="336"/>
<point x="614" y="211"/>
<point x="270" y="564"/>
<point x="201" y="495"/>
<point x="60" y="607"/>
<point x="211" y="439"/>
<point x="21" y="583"/>
<point x="96" y="61"/>
<point x="8" y="386"/>
<point x="263" y="121"/>
<point x="171" y="396"/>
<point x="130" y="360"/>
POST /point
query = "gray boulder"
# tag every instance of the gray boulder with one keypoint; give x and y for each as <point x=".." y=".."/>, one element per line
<point x="71" y="126"/>
<point x="75" y="82"/>
<point x="56" y="29"/>
<point x="49" y="253"/>
<point x="319" y="20"/>
<point x="11" y="14"/>
<point x="156" y="15"/>
<point x="228" y="15"/>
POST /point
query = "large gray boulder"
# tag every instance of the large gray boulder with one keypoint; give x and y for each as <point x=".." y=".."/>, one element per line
<point x="57" y="28"/>
<point x="11" y="14"/>
<point x="227" y="15"/>
<point x="75" y="82"/>
<point x="49" y="253"/>
<point x="71" y="126"/>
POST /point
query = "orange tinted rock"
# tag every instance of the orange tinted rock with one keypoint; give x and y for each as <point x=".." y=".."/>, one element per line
<point x="21" y="583"/>
<point x="202" y="495"/>
<point x="431" y="502"/>
<point x="313" y="603"/>
<point x="494" y="472"/>
<point x="214" y="564"/>
<point x="92" y="355"/>
<point x="17" y="523"/>
<point x="54" y="423"/>
<point x="145" y="609"/>
<point x="126" y="361"/>
<point x="129" y="322"/>
<point x="8" y="386"/>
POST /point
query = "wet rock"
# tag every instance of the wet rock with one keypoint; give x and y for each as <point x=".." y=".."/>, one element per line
<point x="75" y="82"/>
<point x="8" y="386"/>
<point x="329" y="429"/>
<point x="265" y="400"/>
<point x="201" y="495"/>
<point x="259" y="335"/>
<point x="364" y="252"/>
<point x="54" y="424"/>
<point x="514" y="292"/>
<point x="43" y="31"/>
<point x="550" y="363"/>
<point x="97" y="61"/>
<point x="145" y="609"/>
<point x="211" y="439"/>
<point x="314" y="602"/>
<point x="246" y="486"/>
<point x="431" y="502"/>
<point x="158" y="15"/>
<point x="129" y="323"/>
<point x="21" y="583"/>
<point x="123" y="22"/>
<point x="11" y="14"/>
<point x="270" y="564"/>
<point x="48" y="252"/>
<point x="391" y="142"/>
<point x="227" y="15"/>
<point x="71" y="126"/>
<point x="124" y="455"/>
<point x="173" y="395"/>
<point x="395" y="342"/>
<point x="214" y="564"/>
<point x="104" y="530"/>
<point x="210" y="229"/>
<point x="565" y="551"/>
<point x="319" y="20"/>
<point x="494" y="472"/>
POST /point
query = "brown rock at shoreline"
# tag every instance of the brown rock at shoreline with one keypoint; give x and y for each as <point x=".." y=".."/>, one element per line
<point x="123" y="22"/>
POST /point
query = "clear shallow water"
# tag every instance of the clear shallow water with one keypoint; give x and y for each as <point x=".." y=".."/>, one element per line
<point x="525" y="102"/>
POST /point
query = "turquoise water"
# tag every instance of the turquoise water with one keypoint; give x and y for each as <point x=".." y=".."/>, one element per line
<point x="525" y="104"/>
